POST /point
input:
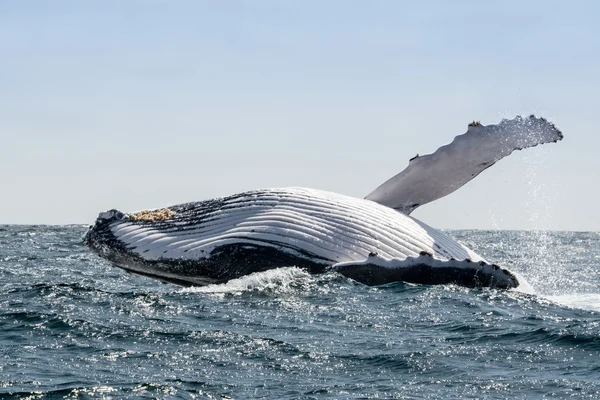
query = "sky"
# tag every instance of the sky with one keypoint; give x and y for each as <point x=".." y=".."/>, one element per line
<point x="144" y="104"/>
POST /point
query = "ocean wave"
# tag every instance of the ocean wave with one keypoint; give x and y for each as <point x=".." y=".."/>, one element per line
<point x="275" y="280"/>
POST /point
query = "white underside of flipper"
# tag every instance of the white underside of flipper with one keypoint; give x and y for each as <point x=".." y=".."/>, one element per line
<point x="433" y="176"/>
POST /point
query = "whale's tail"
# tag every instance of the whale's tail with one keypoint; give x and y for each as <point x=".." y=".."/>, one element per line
<point x="432" y="176"/>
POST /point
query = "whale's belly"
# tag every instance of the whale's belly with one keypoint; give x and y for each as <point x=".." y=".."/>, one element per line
<point x="217" y="240"/>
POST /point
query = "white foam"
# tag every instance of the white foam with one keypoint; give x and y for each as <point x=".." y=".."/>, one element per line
<point x="524" y="285"/>
<point x="584" y="301"/>
<point x="279" y="279"/>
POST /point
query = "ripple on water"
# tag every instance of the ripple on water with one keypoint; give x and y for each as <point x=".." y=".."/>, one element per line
<point x="72" y="326"/>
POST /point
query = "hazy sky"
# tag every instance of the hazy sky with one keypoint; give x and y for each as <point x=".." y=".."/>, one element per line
<point x="142" y="104"/>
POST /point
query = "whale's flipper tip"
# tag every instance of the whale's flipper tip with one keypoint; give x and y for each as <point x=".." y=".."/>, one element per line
<point x="523" y="132"/>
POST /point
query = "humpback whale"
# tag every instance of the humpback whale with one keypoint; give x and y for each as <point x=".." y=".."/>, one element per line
<point x="372" y="240"/>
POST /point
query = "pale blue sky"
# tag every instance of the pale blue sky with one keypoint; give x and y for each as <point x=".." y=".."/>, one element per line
<point x="141" y="104"/>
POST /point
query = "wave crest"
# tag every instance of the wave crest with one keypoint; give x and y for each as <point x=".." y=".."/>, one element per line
<point x="275" y="280"/>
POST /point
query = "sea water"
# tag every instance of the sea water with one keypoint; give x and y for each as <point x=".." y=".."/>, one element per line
<point x="73" y="326"/>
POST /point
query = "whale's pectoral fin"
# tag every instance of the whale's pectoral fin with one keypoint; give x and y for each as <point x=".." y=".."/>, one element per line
<point x="432" y="176"/>
<point x="427" y="270"/>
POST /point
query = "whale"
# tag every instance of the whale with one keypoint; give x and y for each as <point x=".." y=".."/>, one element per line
<point x="372" y="240"/>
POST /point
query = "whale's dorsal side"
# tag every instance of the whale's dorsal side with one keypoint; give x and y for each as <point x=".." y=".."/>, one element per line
<point x="433" y="176"/>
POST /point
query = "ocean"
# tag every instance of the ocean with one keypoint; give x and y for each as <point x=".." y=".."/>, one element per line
<point x="72" y="326"/>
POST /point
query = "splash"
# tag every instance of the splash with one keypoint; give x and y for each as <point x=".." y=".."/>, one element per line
<point x="538" y="243"/>
<point x="275" y="280"/>
<point x="584" y="301"/>
<point x="558" y="265"/>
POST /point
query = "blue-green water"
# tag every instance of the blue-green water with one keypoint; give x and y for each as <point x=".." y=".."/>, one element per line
<point x="73" y="326"/>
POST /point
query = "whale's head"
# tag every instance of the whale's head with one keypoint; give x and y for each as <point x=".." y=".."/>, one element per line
<point x="102" y="240"/>
<point x="99" y="237"/>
